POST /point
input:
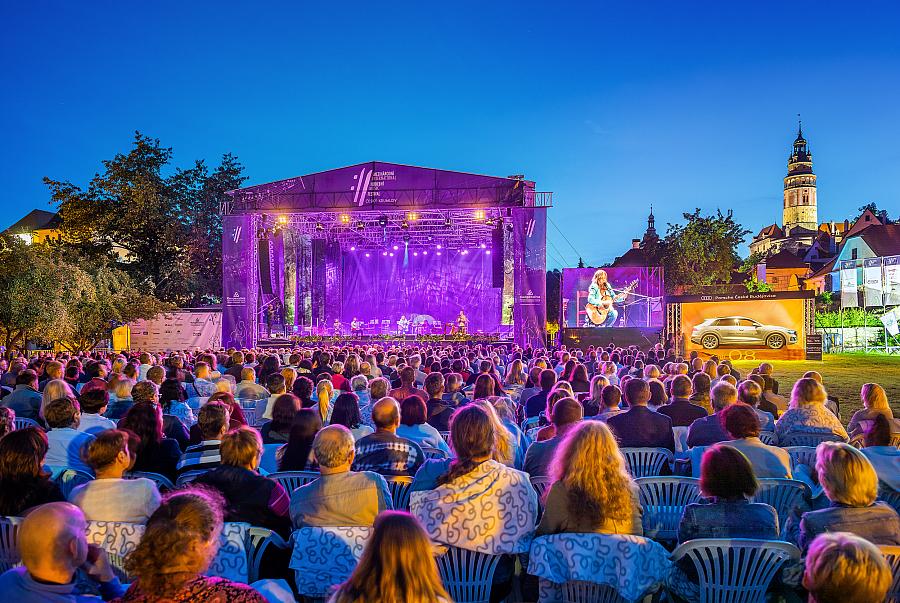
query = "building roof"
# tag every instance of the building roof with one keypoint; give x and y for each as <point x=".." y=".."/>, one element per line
<point x="883" y="239"/>
<point x="785" y="259"/>
<point x="772" y="230"/>
<point x="36" y="219"/>
<point x="633" y="257"/>
<point x="866" y="220"/>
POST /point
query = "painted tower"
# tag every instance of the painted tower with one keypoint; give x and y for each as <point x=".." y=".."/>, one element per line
<point x="800" y="189"/>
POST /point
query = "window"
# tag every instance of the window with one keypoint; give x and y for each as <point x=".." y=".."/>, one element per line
<point x="854" y="254"/>
<point x="745" y="322"/>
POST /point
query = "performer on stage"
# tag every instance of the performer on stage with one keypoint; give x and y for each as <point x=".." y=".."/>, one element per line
<point x="601" y="297"/>
<point x="338" y="327"/>
<point x="402" y="325"/>
<point x="462" y="323"/>
<point x="355" y="327"/>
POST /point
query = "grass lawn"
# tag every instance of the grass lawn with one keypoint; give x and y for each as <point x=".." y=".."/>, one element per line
<point x="843" y="375"/>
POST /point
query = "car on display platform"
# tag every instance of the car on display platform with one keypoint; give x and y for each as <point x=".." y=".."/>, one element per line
<point x="741" y="331"/>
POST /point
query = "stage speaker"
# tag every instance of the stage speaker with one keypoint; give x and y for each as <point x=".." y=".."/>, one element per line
<point x="497" y="257"/>
<point x="265" y="274"/>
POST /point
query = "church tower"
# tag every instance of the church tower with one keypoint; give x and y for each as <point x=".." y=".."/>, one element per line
<point x="800" y="188"/>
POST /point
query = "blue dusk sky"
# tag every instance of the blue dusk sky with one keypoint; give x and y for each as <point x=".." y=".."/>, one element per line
<point x="610" y="106"/>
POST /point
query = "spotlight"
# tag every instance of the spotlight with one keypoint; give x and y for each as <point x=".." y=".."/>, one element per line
<point x="367" y="254"/>
<point x="483" y="246"/>
<point x="416" y="253"/>
<point x="320" y="226"/>
<point x="352" y="248"/>
<point x="489" y="221"/>
<point x="465" y="252"/>
<point x="345" y="219"/>
<point x="384" y="253"/>
<point x="479" y="214"/>
<point x="448" y="222"/>
<point x="424" y="253"/>
<point x="395" y="248"/>
<point x="404" y="224"/>
<point x="412" y="216"/>
<point x="360" y="225"/>
<point x="438" y="247"/>
<point x="439" y="253"/>
<point x="391" y="254"/>
<point x="282" y="219"/>
<point x="382" y="221"/>
<point x="488" y="252"/>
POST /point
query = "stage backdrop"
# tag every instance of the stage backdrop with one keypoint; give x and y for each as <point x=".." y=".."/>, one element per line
<point x="434" y="286"/>
<point x="641" y="309"/>
<point x="179" y="330"/>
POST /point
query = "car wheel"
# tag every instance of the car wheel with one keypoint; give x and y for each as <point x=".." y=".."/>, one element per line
<point x="709" y="341"/>
<point x="776" y="341"/>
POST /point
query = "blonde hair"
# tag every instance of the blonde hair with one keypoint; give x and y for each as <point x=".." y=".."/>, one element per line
<point x="123" y="388"/>
<point x="807" y="393"/>
<point x="588" y="462"/>
<point x="709" y="367"/>
<point x="241" y="447"/>
<point x="54" y="389"/>
<point x="846" y="475"/>
<point x="874" y="397"/>
<point x="503" y="452"/>
<point x="844" y="568"/>
<point x="290" y="375"/>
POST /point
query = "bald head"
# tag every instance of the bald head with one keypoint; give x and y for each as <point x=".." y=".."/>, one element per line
<point x="51" y="540"/>
<point x="386" y="414"/>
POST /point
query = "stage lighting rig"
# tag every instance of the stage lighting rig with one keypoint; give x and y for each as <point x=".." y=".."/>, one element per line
<point x="404" y="225"/>
<point x="383" y="221"/>
<point x="360" y="225"/>
<point x="320" y="226"/>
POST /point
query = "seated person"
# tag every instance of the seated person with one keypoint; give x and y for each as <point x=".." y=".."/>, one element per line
<point x="610" y="399"/>
<point x="109" y="497"/>
<point x="750" y="393"/>
<point x="297" y="454"/>
<point x="843" y="568"/>
<point x="700" y="386"/>
<point x="680" y="409"/>
<point x="66" y="442"/>
<point x="454" y="396"/>
<point x="593" y="491"/>
<point x="57" y="561"/>
<point x="384" y="452"/>
<point x="807" y="413"/>
<point x="178" y="545"/>
<point x="640" y="427"/>
<point x="566" y="414"/>
<point x="213" y="422"/>
<point x="413" y="414"/>
<point x="340" y="497"/>
<point x="742" y="424"/>
<point x="438" y="411"/>
<point x="284" y="410"/>
<point x="23" y="482"/>
<point x="155" y="453"/>
<point x="875" y="404"/>
<point x="884" y="457"/>
<point x="851" y="486"/>
<point x="709" y="430"/>
<point x="346" y="413"/>
<point x="276" y="384"/>
<point x="94" y="404"/>
<point x="250" y="497"/>
<point x="248" y="389"/>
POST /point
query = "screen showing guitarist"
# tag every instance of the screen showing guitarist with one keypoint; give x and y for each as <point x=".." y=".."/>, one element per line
<point x="601" y="297"/>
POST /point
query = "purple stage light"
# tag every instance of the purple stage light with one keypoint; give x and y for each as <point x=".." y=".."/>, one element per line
<point x="438" y="247"/>
<point x="367" y="254"/>
<point x="395" y="248"/>
<point x="439" y="253"/>
<point x="465" y="251"/>
<point x="352" y="248"/>
<point x="416" y="253"/>
<point x="391" y="254"/>
<point x="483" y="246"/>
<point x="424" y="253"/>
<point x="488" y="252"/>
<point x="384" y="253"/>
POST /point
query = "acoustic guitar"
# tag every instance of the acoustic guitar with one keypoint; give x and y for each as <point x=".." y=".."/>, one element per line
<point x="597" y="313"/>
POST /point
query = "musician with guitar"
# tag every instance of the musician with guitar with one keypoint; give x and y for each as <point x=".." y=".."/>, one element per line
<point x="600" y="300"/>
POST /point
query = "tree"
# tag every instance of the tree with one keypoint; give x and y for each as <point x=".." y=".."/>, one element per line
<point x="166" y="230"/>
<point x="701" y="253"/>
<point x="580" y="262"/>
<point x="881" y="214"/>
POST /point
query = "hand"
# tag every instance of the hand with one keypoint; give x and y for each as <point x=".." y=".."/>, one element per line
<point x="97" y="564"/>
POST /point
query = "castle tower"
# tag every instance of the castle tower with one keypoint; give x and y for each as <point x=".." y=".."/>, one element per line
<point x="650" y="233"/>
<point x="800" y="188"/>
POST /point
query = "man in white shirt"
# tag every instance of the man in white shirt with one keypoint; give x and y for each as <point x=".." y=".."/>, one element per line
<point x="275" y="384"/>
<point x="146" y="364"/>
<point x="742" y="424"/>
<point x="248" y="388"/>
<point x="65" y="441"/>
<point x="93" y="404"/>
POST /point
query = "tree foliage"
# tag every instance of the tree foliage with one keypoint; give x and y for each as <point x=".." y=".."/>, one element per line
<point x="164" y="227"/>
<point x="881" y="214"/>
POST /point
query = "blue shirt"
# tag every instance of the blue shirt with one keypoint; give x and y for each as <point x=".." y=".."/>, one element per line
<point x="18" y="585"/>
<point x="65" y="448"/>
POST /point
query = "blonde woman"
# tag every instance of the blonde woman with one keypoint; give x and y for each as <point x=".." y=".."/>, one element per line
<point x="325" y="396"/>
<point x="593" y="491"/>
<point x="807" y="412"/>
<point x="608" y="370"/>
<point x="504" y="444"/>
<point x="851" y="485"/>
<point x="875" y="402"/>
<point x="515" y="378"/>
<point x="396" y="565"/>
<point x="53" y="390"/>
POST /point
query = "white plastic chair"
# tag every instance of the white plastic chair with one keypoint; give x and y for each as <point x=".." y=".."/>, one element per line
<point x="434" y="453"/>
<point x="324" y="557"/>
<point x="9" y="543"/>
<point x="735" y="570"/>
<point x="269" y="460"/>
<point x="647" y="462"/>
<point x="892" y="556"/>
<point x="582" y="591"/>
<point x="291" y="480"/>
<point x="23" y="422"/>
<point x="399" y="486"/>
<point x="663" y="500"/>
<point x="163" y="483"/>
<point x="541" y="483"/>
<point x="889" y="496"/>
<point x="681" y="435"/>
<point x="467" y="575"/>
<point x="769" y="438"/>
<point x="802" y="455"/>
<point x="784" y="495"/>
<point x="69" y="479"/>
<point x="188" y="476"/>
<point x="809" y="438"/>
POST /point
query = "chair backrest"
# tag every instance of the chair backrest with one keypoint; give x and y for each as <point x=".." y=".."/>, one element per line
<point x="541" y="483"/>
<point x="467" y="575"/>
<point x="291" y="480"/>
<point x="892" y="556"/>
<point x="681" y="435"/>
<point x="809" y="438"/>
<point x="269" y="460"/>
<point x="188" y="476"/>
<point x="9" y="543"/>
<point x="434" y="453"/>
<point x="68" y="479"/>
<point x="23" y="422"/>
<point x="735" y="570"/>
<point x="117" y="538"/>
<point x="582" y="591"/>
<point x="802" y="455"/>
<point x="647" y="462"/>
<point x="324" y="557"/>
<point x="769" y="438"/>
<point x="887" y="495"/>
<point x="784" y="495"/>
<point x="163" y="483"/>
<point x="663" y="500"/>
<point x="399" y="486"/>
<point x="249" y="412"/>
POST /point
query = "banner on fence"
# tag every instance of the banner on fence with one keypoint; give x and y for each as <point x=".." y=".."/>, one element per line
<point x="891" y="321"/>
<point x="873" y="284"/>
<point x="848" y="284"/>
<point x="892" y="280"/>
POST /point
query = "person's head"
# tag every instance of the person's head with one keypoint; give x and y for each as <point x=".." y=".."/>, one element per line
<point x="484" y="387"/>
<point x="844" y="568"/>
<point x="290" y="375"/>
<point x="725" y="473"/>
<point x="28" y="378"/>
<point x="145" y="420"/>
<point x="379" y="388"/>
<point x="807" y="393"/>
<point x="7" y="420"/>
<point x="275" y="384"/>
<point x="740" y="421"/>
<point x="22" y="455"/>
<point x="180" y="540"/>
<point x="307" y="423"/>
<point x="145" y="391"/>
<point x="611" y="396"/>
<point x="814" y="375"/>
<point x="548" y="379"/>
<point x="201" y="370"/>
<point x="566" y="412"/>
<point x="879" y="433"/>
<point x="52" y="543"/>
<point x="846" y="475"/>
<point x="597" y="385"/>
<point x="749" y="393"/>
<point x="657" y="393"/>
<point x="334" y="449"/>
<point x="346" y="411"/>
<point x="108" y="453"/>
<point x="681" y="387"/>
<point x="242" y="447"/>
<point x="413" y="411"/>
<point x="386" y="414"/>
<point x="434" y="385"/>
<point x="637" y="392"/>
<point x="62" y="413"/>
<point x="156" y="374"/>
<point x="722" y="396"/>
<point x="589" y="463"/>
<point x="213" y="420"/>
<point x="248" y="374"/>
<point x="53" y="390"/>
<point x="407" y="376"/>
<point x="94" y="401"/>
<point x="303" y="387"/>
<point x="359" y="383"/>
<point x="874" y="397"/>
<point x="700" y="384"/>
<point x="472" y="436"/>
<point x="396" y="565"/>
<point x="123" y="388"/>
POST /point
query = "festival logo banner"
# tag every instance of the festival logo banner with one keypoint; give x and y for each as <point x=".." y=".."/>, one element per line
<point x="237" y="265"/>
<point x="872" y="281"/>
<point x="892" y="280"/>
<point x="849" y="284"/>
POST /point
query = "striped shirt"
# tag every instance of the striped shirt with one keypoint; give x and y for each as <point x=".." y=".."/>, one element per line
<point x="202" y="456"/>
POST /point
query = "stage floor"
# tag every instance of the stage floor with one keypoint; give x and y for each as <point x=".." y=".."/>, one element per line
<point x="582" y="337"/>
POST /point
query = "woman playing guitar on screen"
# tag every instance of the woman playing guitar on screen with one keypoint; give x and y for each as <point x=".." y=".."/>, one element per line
<point x="601" y="296"/>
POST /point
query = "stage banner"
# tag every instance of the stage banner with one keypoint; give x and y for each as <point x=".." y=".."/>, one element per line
<point x="892" y="280"/>
<point x="848" y="284"/>
<point x="530" y="267"/>
<point x="237" y="268"/>
<point x="179" y="330"/>
<point x="873" y="284"/>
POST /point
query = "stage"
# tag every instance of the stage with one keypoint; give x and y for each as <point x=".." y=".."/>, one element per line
<point x="384" y="341"/>
<point x="582" y="337"/>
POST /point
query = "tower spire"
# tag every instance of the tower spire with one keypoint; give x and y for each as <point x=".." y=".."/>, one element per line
<point x="799" y="127"/>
